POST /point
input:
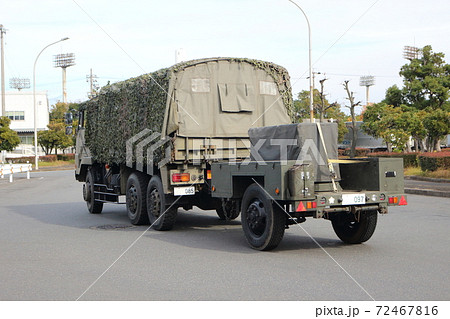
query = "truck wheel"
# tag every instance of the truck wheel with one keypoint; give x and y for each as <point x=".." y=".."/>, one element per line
<point x="160" y="215"/>
<point x="94" y="207"/>
<point x="351" y="231"/>
<point x="136" y="199"/>
<point x="263" y="222"/>
<point x="228" y="210"/>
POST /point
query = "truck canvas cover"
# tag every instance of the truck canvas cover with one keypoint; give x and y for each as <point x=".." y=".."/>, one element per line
<point x="300" y="142"/>
<point x="208" y="98"/>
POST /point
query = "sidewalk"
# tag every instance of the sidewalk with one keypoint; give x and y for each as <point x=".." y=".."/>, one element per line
<point x="427" y="186"/>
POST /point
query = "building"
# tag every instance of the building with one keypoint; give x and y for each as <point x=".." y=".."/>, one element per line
<point x="19" y="108"/>
<point x="363" y="140"/>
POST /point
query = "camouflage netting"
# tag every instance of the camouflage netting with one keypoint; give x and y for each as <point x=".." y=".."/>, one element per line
<point x="122" y="110"/>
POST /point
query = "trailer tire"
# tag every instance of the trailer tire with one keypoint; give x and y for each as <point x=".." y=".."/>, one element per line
<point x="94" y="207"/>
<point x="229" y="210"/>
<point x="160" y="215"/>
<point x="263" y="222"/>
<point x="136" y="198"/>
<point x="351" y="231"/>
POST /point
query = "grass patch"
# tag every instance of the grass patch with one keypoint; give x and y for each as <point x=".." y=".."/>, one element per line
<point x="56" y="163"/>
<point x="416" y="171"/>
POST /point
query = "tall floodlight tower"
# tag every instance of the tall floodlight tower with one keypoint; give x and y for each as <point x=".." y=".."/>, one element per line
<point x="410" y="53"/>
<point x="63" y="61"/>
<point x="367" y="81"/>
<point x="19" y="83"/>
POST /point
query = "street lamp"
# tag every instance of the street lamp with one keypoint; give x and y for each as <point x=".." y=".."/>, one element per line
<point x="34" y="103"/>
<point x="311" y="110"/>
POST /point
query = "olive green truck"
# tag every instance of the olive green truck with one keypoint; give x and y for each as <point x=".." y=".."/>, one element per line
<point x="218" y="134"/>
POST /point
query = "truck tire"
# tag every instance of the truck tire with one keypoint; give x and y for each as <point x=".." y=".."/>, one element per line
<point x="351" y="231"/>
<point x="94" y="207"/>
<point x="161" y="215"/>
<point x="136" y="198"/>
<point x="263" y="222"/>
<point x="229" y="210"/>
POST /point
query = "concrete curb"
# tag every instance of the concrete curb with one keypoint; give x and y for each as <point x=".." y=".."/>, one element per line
<point x="428" y="179"/>
<point x="427" y="192"/>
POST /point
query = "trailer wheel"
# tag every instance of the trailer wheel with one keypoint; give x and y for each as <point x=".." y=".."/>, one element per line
<point x="161" y="215"/>
<point x="262" y="221"/>
<point x="94" y="207"/>
<point x="136" y="199"/>
<point x="351" y="231"/>
<point x="228" y="210"/>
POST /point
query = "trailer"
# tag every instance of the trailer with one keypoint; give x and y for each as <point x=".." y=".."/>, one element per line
<point x="218" y="134"/>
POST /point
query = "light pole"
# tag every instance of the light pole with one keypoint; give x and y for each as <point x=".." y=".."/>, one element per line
<point x="34" y="103"/>
<point x="311" y="109"/>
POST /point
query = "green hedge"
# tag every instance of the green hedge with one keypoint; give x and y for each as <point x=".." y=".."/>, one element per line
<point x="30" y="159"/>
<point x="66" y="157"/>
<point x="434" y="161"/>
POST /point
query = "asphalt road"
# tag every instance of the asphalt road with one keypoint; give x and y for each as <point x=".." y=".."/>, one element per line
<point x="52" y="249"/>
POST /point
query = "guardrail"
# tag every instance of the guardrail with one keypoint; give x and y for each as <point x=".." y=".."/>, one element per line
<point x="11" y="169"/>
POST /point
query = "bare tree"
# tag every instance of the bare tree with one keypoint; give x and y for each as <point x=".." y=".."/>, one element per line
<point x="322" y="108"/>
<point x="353" y="126"/>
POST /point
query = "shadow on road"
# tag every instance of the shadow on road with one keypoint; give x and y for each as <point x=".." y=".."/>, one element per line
<point x="194" y="229"/>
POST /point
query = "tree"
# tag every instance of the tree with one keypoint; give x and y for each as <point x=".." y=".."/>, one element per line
<point x="322" y="109"/>
<point x="8" y="138"/>
<point x="353" y="126"/>
<point x="427" y="87"/>
<point x="393" y="124"/>
<point x="55" y="137"/>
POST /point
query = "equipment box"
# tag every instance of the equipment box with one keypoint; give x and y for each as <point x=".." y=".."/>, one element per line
<point x="372" y="174"/>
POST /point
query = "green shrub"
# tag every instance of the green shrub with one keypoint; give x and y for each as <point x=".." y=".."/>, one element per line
<point x="66" y="157"/>
<point x="434" y="161"/>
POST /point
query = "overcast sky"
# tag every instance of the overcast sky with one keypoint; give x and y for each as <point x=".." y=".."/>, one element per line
<point x="123" y="39"/>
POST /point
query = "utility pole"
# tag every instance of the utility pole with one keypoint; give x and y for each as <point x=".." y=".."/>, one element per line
<point x="92" y="79"/>
<point x="63" y="61"/>
<point x="3" y="31"/>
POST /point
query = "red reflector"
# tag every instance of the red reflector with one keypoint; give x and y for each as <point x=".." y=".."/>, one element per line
<point x="181" y="177"/>
<point x="403" y="201"/>
<point x="301" y="207"/>
<point x="393" y="200"/>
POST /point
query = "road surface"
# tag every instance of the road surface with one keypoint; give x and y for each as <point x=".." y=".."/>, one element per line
<point x="52" y="249"/>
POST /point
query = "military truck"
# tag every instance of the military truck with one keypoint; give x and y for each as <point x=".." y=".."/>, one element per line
<point x="218" y="134"/>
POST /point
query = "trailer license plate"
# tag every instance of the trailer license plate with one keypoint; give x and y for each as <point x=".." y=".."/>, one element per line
<point x="181" y="191"/>
<point x="353" y="199"/>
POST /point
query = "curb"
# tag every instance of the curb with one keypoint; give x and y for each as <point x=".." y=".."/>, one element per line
<point x="427" y="192"/>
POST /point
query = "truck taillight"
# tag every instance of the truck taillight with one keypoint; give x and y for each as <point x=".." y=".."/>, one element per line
<point x="181" y="177"/>
<point x="393" y="200"/>
<point x="208" y="174"/>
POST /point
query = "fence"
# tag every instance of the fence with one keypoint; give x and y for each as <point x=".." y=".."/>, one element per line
<point x="11" y="169"/>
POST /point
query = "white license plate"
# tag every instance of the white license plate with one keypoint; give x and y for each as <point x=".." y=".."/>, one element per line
<point x="353" y="199"/>
<point x="181" y="191"/>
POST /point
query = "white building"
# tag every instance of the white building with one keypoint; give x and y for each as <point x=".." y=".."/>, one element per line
<point x="19" y="108"/>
